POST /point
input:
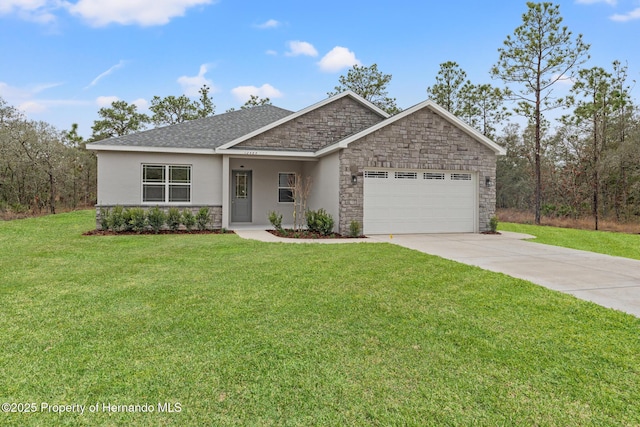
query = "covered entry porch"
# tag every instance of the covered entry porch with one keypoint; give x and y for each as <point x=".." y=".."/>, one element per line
<point x="254" y="185"/>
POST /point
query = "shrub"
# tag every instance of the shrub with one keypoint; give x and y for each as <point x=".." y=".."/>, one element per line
<point x="493" y="224"/>
<point x="202" y="218"/>
<point x="354" y="229"/>
<point x="156" y="218"/>
<point x="276" y="220"/>
<point x="136" y="219"/>
<point x="173" y="218"/>
<point x="320" y="221"/>
<point x="117" y="220"/>
<point x="104" y="218"/>
<point x="188" y="219"/>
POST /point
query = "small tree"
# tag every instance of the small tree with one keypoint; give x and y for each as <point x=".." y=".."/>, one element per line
<point x="539" y="54"/>
<point x="300" y="189"/>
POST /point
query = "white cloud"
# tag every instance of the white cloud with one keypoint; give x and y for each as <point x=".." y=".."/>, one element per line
<point x="191" y="85"/>
<point x="297" y="48"/>
<point x="126" y="12"/>
<point x="629" y="16"/>
<point x="611" y="2"/>
<point x="105" y="74"/>
<point x="338" y="58"/>
<point x="106" y="101"/>
<point x="271" y="23"/>
<point x="24" y="98"/>
<point x="141" y="103"/>
<point x="271" y="52"/>
<point x="31" y="107"/>
<point x="243" y="93"/>
<point x="30" y="10"/>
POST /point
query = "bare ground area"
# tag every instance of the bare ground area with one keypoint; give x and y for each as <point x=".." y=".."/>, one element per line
<point x="524" y="217"/>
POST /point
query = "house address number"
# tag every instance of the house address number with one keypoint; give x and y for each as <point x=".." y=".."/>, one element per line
<point x="251" y="153"/>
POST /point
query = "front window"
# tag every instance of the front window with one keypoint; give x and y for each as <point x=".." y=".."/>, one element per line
<point x="286" y="182"/>
<point x="166" y="183"/>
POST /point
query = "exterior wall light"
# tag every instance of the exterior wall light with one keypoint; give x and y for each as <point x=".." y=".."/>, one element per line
<point x="487" y="181"/>
<point x="354" y="179"/>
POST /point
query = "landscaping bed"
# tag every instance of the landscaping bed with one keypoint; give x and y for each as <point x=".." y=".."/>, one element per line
<point x="132" y="233"/>
<point x="308" y="234"/>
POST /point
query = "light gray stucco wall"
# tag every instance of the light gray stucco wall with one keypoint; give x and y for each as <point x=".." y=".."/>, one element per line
<point x="325" y="175"/>
<point x="120" y="176"/>
<point x="265" y="187"/>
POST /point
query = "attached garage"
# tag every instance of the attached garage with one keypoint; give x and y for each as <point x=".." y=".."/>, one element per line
<point x="405" y="201"/>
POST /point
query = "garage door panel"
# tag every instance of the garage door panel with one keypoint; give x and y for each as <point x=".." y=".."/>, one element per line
<point x="405" y="201"/>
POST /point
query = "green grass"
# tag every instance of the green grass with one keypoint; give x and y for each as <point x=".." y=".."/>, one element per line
<point x="604" y="242"/>
<point x="248" y="333"/>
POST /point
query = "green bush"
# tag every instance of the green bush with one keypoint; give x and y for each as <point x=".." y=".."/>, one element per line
<point x="320" y="221"/>
<point x="354" y="229"/>
<point x="117" y="220"/>
<point x="188" y="219"/>
<point x="276" y="220"/>
<point x="173" y="218"/>
<point x="493" y="224"/>
<point x="202" y="218"/>
<point x="104" y="218"/>
<point x="136" y="219"/>
<point x="156" y="218"/>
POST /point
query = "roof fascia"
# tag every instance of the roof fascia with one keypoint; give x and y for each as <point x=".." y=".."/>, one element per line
<point x="425" y="104"/>
<point x="131" y="148"/>
<point x="307" y="155"/>
<point x="304" y="111"/>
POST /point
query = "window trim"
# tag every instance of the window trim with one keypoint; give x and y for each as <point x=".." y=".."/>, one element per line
<point x="167" y="184"/>
<point x="285" y="188"/>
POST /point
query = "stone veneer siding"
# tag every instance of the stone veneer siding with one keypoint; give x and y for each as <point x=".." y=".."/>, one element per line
<point x="422" y="140"/>
<point x="318" y="128"/>
<point x="215" y="213"/>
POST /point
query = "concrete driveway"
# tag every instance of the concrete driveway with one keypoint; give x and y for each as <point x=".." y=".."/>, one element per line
<point x="606" y="280"/>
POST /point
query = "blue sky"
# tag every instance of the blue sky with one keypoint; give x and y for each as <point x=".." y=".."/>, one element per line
<point x="64" y="59"/>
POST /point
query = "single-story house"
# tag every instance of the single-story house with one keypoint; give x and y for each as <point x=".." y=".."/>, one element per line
<point x="422" y="170"/>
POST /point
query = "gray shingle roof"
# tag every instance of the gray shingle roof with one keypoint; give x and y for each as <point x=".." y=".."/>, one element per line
<point x="209" y="132"/>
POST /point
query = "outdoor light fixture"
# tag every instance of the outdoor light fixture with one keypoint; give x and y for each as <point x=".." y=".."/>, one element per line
<point x="354" y="174"/>
<point x="487" y="181"/>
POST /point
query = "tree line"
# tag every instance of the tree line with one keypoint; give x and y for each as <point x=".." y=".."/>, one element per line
<point x="587" y="164"/>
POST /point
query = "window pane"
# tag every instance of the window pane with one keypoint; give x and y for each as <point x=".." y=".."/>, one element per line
<point x="153" y="193"/>
<point x="153" y="173"/>
<point x="286" y="179"/>
<point x="179" y="193"/>
<point x="241" y="185"/>
<point x="285" y="195"/>
<point x="180" y="174"/>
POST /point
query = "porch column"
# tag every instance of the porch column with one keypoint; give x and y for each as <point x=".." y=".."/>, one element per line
<point x="225" y="191"/>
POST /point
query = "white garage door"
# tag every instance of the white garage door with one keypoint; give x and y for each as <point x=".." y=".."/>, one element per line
<point x="419" y="201"/>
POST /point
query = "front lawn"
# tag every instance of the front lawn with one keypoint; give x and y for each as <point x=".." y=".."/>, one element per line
<point x="225" y="331"/>
<point x="604" y="242"/>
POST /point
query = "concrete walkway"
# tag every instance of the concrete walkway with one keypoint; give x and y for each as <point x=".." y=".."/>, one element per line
<point x="609" y="281"/>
